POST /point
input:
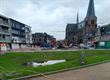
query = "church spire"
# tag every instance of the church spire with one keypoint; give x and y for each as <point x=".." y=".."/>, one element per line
<point x="77" y="20"/>
<point x="91" y="9"/>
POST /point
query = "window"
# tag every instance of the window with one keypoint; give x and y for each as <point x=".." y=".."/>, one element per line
<point x="13" y="24"/>
<point x="1" y="21"/>
<point x="17" y="26"/>
<point x="92" y="22"/>
<point x="23" y="28"/>
<point x="3" y="36"/>
<point x="5" y="21"/>
<point x="0" y="28"/>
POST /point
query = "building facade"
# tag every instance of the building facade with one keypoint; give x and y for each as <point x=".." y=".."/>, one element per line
<point x="28" y="35"/>
<point x="71" y="30"/>
<point x="43" y="40"/>
<point x="14" y="34"/>
<point x="103" y="37"/>
<point x="5" y="39"/>
<point x="103" y="33"/>
<point x="17" y="34"/>
<point x="37" y="39"/>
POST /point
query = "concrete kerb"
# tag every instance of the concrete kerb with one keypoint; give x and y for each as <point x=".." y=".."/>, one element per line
<point x="58" y="71"/>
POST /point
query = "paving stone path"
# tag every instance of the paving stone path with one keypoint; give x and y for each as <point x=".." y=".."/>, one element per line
<point x="97" y="72"/>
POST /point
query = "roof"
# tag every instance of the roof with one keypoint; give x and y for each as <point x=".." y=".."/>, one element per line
<point x="71" y="27"/>
<point x="81" y="24"/>
<point x="106" y="29"/>
<point x="91" y="9"/>
<point x="3" y="16"/>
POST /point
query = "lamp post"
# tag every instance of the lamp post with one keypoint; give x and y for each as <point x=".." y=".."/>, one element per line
<point x="82" y="54"/>
<point x="82" y="58"/>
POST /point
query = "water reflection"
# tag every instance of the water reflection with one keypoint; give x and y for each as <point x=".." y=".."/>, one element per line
<point x="43" y="63"/>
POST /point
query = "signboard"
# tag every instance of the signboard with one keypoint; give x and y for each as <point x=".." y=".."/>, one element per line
<point x="102" y="44"/>
<point x="3" y="47"/>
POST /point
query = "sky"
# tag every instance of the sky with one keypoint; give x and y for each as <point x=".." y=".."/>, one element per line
<point x="52" y="16"/>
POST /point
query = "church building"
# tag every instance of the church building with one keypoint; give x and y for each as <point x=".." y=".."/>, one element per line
<point x="84" y="31"/>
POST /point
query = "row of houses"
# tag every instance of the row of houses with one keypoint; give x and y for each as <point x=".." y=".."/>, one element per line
<point x="14" y="34"/>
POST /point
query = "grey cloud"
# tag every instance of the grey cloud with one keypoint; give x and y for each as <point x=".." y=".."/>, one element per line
<point x="52" y="15"/>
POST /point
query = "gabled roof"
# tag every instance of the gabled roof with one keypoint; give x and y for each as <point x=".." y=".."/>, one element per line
<point x="71" y="27"/>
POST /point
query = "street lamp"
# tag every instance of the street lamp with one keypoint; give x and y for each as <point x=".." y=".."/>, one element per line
<point x="82" y="58"/>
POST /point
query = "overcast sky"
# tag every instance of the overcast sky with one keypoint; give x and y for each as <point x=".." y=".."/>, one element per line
<point x="52" y="16"/>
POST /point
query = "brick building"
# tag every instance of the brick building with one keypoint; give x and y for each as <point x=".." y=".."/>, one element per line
<point x="43" y="40"/>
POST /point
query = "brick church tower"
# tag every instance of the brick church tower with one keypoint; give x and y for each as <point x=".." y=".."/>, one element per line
<point x="90" y="21"/>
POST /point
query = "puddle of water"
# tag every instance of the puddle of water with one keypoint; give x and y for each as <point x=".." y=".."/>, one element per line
<point x="44" y="63"/>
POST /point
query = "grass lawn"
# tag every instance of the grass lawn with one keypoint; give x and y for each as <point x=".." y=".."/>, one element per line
<point x="11" y="63"/>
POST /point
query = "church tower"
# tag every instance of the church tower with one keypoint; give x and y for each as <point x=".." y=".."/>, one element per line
<point x="77" y="20"/>
<point x="90" y="20"/>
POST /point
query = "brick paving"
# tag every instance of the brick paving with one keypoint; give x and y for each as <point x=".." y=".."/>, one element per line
<point x="97" y="72"/>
